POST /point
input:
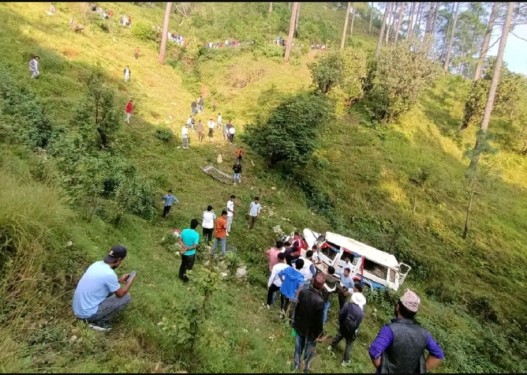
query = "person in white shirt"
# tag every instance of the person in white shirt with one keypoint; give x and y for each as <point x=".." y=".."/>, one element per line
<point x="127" y="73"/>
<point x="274" y="283"/>
<point x="211" y="125"/>
<point x="33" y="67"/>
<point x="308" y="270"/>
<point x="231" y="134"/>
<point x="254" y="211"/>
<point x="190" y="122"/>
<point x="230" y="212"/>
<point x="184" y="135"/>
<point x="208" y="223"/>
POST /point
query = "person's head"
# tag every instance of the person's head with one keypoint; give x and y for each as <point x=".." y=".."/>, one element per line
<point x="318" y="281"/>
<point x="295" y="249"/>
<point x="36" y="57"/>
<point x="281" y="257"/>
<point x="407" y="305"/>
<point x="357" y="287"/>
<point x="314" y="247"/>
<point x="256" y="199"/>
<point x="170" y="192"/>
<point x="358" y="299"/>
<point x="131" y="100"/>
<point x="331" y="270"/>
<point x="209" y="208"/>
<point x="347" y="271"/>
<point x="279" y="244"/>
<point x="116" y="256"/>
<point x="309" y="254"/>
<point x="219" y="114"/>
<point x="224" y="213"/>
<point x="194" y="223"/>
<point x="233" y="197"/>
<point x="296" y="234"/>
<point x="299" y="263"/>
<point x="287" y="243"/>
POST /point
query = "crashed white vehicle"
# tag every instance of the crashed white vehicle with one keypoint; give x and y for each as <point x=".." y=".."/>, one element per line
<point x="375" y="268"/>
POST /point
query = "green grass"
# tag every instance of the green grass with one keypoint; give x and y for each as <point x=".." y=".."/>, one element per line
<point x="463" y="283"/>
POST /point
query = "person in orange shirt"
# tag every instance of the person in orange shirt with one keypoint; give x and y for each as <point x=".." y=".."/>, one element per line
<point x="128" y="110"/>
<point x="220" y="233"/>
<point x="239" y="153"/>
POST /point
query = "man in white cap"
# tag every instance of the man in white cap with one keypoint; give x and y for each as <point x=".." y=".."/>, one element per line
<point x="350" y="318"/>
<point x="400" y="346"/>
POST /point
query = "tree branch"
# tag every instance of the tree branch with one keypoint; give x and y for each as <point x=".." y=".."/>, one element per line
<point x="519" y="37"/>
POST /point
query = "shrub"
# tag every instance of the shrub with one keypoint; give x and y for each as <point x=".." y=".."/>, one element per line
<point x="164" y="135"/>
<point x="145" y="33"/>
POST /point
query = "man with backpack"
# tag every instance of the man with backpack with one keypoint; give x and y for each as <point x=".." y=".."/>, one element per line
<point x="350" y="318"/>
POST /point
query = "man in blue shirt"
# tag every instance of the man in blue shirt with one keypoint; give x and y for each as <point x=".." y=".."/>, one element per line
<point x="99" y="295"/>
<point x="292" y="282"/>
<point x="168" y="199"/>
<point x="188" y="240"/>
<point x="399" y="346"/>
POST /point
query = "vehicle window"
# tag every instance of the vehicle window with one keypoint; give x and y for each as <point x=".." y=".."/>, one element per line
<point x="376" y="269"/>
<point x="392" y="276"/>
<point x="330" y="251"/>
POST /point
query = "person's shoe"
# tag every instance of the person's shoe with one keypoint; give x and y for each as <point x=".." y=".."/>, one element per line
<point x="100" y="327"/>
<point x="268" y="307"/>
<point x="346" y="363"/>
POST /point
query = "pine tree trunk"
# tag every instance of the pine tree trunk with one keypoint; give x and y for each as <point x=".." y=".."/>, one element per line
<point x="163" y="48"/>
<point x="410" y="29"/>
<point x="419" y="19"/>
<point x="343" y="40"/>
<point x="472" y="189"/>
<point x="291" y="32"/>
<point x="389" y="22"/>
<point x="486" y="41"/>
<point x="353" y="10"/>
<point x="399" y="21"/>
<point x="297" y="17"/>
<point x="270" y="7"/>
<point x="383" y="27"/>
<point x="451" y="41"/>
<point x="371" y="17"/>
<point x="493" y="87"/>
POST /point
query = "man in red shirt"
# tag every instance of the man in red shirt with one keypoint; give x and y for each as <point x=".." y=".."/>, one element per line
<point x="128" y="110"/>
<point x="220" y="233"/>
<point x="272" y="254"/>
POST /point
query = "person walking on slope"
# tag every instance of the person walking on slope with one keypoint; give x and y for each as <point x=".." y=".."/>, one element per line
<point x="189" y="240"/>
<point x="200" y="103"/>
<point x="128" y="110"/>
<point x="254" y="211"/>
<point x="307" y="323"/>
<point x="184" y="135"/>
<point x="350" y="318"/>
<point x="33" y="67"/>
<point x="208" y="224"/>
<point x="274" y="283"/>
<point x="292" y="282"/>
<point x="211" y="126"/>
<point x="237" y="172"/>
<point x="232" y="131"/>
<point x="127" y="73"/>
<point x="230" y="212"/>
<point x="220" y="233"/>
<point x="99" y="295"/>
<point x="272" y="254"/>
<point x="239" y="153"/>
<point x="400" y="345"/>
<point x="168" y="200"/>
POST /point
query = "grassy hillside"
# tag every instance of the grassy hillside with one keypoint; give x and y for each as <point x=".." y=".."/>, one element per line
<point x="472" y="290"/>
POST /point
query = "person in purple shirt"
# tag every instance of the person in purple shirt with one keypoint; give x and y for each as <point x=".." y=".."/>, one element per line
<point x="400" y="346"/>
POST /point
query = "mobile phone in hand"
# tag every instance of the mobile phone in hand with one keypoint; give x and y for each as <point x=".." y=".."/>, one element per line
<point x="131" y="275"/>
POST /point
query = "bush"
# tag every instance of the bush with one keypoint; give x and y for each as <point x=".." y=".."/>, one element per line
<point x="290" y="134"/>
<point x="164" y="135"/>
<point x="145" y="33"/>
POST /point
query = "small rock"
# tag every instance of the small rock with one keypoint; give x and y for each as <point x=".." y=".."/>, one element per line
<point x="69" y="244"/>
<point x="224" y="274"/>
<point x="241" y="272"/>
<point x="73" y="339"/>
<point x="273" y="188"/>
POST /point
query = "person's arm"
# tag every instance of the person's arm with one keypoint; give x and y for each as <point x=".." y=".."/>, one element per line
<point x="268" y="254"/>
<point x="281" y="275"/>
<point x="271" y="278"/>
<point x="121" y="292"/>
<point x="183" y="246"/>
<point x="383" y="340"/>
<point x="175" y="199"/>
<point x="435" y="353"/>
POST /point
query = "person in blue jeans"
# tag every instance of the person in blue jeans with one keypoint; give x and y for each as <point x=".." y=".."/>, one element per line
<point x="189" y="240"/>
<point x="220" y="234"/>
<point x="168" y="199"/>
<point x="307" y="323"/>
<point x="99" y="295"/>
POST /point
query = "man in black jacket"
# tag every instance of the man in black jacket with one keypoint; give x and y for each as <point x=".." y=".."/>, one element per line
<point x="308" y="322"/>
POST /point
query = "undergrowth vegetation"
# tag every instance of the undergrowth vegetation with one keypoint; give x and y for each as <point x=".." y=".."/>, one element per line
<point x="76" y="180"/>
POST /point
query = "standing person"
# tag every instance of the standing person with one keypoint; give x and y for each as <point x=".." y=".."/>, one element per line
<point x="231" y="134"/>
<point x="230" y="212"/>
<point x="211" y="128"/>
<point x="272" y="254"/>
<point x="225" y="130"/>
<point x="309" y="271"/>
<point x="330" y="287"/>
<point x="200" y="103"/>
<point x="400" y="345"/>
<point x="168" y="200"/>
<point x="194" y="108"/>
<point x="307" y="323"/>
<point x="254" y="211"/>
<point x="189" y="240"/>
<point x="99" y="295"/>
<point x="292" y="282"/>
<point x="346" y="286"/>
<point x="208" y="223"/>
<point x="292" y="253"/>
<point x="220" y="233"/>
<point x="137" y="53"/>
<point x="184" y="135"/>
<point x="239" y="153"/>
<point x="127" y="73"/>
<point x="350" y="318"/>
<point x="33" y="66"/>
<point x="219" y="124"/>
<point x="237" y="172"/>
<point x="199" y="129"/>
<point x="190" y="122"/>
<point x="128" y="110"/>
<point x="274" y="283"/>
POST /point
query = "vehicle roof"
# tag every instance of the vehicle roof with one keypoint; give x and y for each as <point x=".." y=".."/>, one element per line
<point x="371" y="253"/>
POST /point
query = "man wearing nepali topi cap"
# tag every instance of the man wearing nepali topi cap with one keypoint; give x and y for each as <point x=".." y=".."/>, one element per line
<point x="400" y="346"/>
<point x="99" y="295"/>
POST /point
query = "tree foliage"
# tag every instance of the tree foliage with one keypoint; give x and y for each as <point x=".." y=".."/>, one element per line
<point x="396" y="80"/>
<point x="290" y="135"/>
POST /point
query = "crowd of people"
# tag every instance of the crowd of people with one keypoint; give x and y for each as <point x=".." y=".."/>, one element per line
<point x="177" y="38"/>
<point x="228" y="43"/>
<point x="125" y="20"/>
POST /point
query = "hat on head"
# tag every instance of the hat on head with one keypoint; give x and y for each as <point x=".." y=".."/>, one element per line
<point x="116" y="252"/>
<point x="410" y="300"/>
<point x="358" y="299"/>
